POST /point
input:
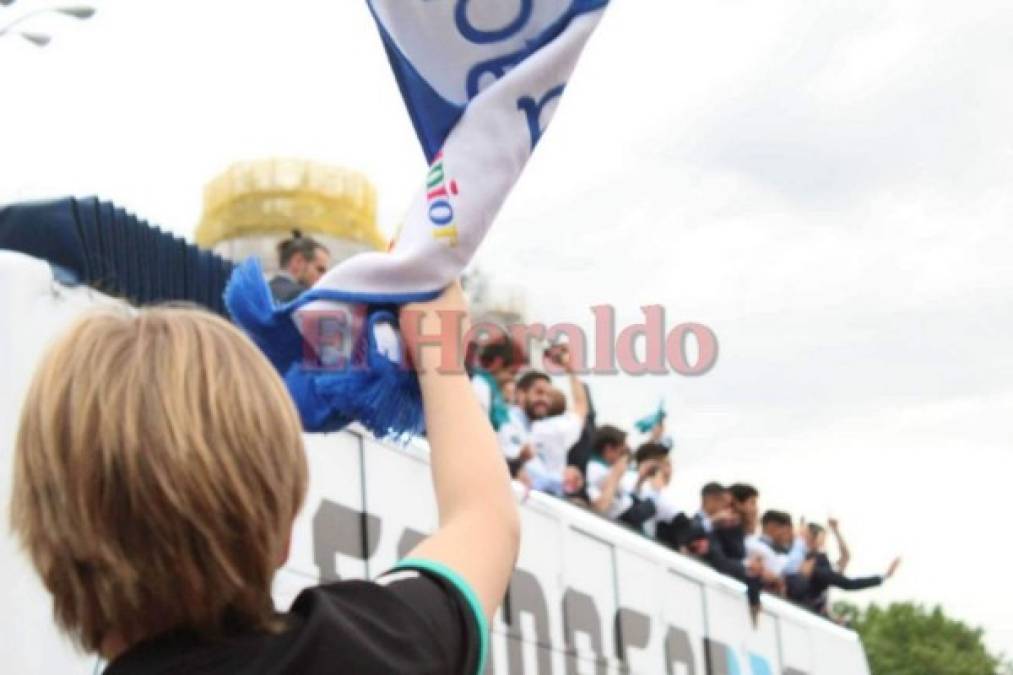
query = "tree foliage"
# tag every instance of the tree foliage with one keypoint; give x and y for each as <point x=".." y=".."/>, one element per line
<point x="909" y="639"/>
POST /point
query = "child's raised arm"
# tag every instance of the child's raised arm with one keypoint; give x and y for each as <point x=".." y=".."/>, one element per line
<point x="479" y="530"/>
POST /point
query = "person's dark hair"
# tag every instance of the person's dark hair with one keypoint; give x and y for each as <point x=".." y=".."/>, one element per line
<point x="815" y="529"/>
<point x="528" y="379"/>
<point x="742" y="492"/>
<point x="649" y="451"/>
<point x="606" y="435"/>
<point x="695" y="533"/>
<point x="712" y="489"/>
<point x="775" y="517"/>
<point x="507" y="350"/>
<point x="298" y="243"/>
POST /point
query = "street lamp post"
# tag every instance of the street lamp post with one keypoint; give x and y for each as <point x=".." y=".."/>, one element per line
<point x="37" y="39"/>
<point x="81" y="12"/>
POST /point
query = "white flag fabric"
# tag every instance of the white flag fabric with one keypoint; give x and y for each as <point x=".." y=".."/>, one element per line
<point x="481" y="80"/>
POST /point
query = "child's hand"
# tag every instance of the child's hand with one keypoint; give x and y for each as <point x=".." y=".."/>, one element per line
<point x="444" y="319"/>
<point x="450" y="300"/>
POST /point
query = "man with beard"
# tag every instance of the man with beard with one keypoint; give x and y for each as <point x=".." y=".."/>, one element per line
<point x="301" y="262"/>
<point x="540" y="431"/>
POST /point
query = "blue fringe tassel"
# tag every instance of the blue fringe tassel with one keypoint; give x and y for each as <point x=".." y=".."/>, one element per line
<point x="380" y="394"/>
<point x="249" y="301"/>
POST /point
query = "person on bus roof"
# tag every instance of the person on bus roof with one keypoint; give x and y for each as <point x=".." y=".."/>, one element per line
<point x="159" y="466"/>
<point x="811" y="585"/>
<point x="302" y="261"/>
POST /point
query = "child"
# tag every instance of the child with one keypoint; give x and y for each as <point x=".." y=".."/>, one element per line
<point x="159" y="467"/>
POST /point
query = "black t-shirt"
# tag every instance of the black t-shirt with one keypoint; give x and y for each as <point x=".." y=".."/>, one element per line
<point x="419" y="618"/>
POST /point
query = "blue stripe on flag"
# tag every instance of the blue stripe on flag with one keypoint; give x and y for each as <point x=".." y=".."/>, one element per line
<point x="432" y="116"/>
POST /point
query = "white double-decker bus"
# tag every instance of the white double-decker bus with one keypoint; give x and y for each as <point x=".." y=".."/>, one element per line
<point x="587" y="596"/>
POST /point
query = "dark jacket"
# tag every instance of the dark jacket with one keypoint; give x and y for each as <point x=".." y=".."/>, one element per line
<point x="732" y="541"/>
<point x="284" y="288"/>
<point x="812" y="591"/>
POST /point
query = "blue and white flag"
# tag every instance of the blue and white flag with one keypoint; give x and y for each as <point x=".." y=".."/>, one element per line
<point x="481" y="80"/>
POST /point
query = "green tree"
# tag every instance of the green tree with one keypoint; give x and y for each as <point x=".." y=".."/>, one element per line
<point x="909" y="639"/>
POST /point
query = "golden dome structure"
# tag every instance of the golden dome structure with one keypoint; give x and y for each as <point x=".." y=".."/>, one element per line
<point x="254" y="205"/>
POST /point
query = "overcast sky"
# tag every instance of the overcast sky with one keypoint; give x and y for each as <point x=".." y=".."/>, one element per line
<point x="825" y="184"/>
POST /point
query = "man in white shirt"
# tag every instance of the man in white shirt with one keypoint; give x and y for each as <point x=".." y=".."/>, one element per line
<point x="539" y="431"/>
<point x="656" y="455"/>
<point x="607" y="482"/>
<point x="781" y="552"/>
<point x="715" y="505"/>
<point x="744" y="501"/>
<point x="612" y="488"/>
<point x="551" y="438"/>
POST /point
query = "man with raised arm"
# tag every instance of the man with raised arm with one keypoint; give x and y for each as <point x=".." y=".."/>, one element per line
<point x="817" y="575"/>
<point x="159" y="466"/>
<point x="612" y="488"/>
<point x="541" y="431"/>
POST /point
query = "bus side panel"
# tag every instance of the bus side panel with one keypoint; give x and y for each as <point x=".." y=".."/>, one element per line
<point x="838" y="653"/>
<point x="685" y="625"/>
<point x="529" y="628"/>
<point x="32" y="313"/>
<point x="639" y="625"/>
<point x="589" y="601"/>
<point x="728" y="630"/>
<point x="586" y="597"/>
<point x="327" y="537"/>
<point x="399" y="486"/>
<point x="762" y="649"/>
<point x="796" y="647"/>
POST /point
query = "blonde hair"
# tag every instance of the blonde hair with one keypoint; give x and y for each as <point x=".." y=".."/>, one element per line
<point x="159" y="466"/>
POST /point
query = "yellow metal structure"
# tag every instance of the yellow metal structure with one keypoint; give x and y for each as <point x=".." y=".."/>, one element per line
<point x="275" y="196"/>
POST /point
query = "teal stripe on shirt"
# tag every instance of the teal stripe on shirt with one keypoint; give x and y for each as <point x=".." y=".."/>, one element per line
<point x="464" y="587"/>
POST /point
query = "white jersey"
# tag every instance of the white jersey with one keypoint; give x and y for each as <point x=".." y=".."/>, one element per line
<point x="552" y="437"/>
<point x="597" y="474"/>
<point x="514" y="434"/>
<point x="665" y="508"/>
<point x="774" y="562"/>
